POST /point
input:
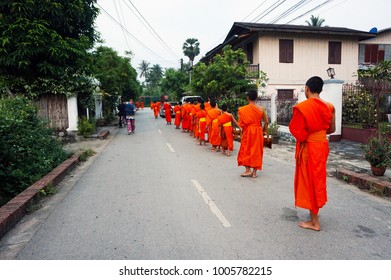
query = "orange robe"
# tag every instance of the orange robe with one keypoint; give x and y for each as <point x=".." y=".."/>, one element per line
<point x="185" y="117"/>
<point x="177" y="112"/>
<point x="201" y="116"/>
<point x="311" y="119"/>
<point x="213" y="123"/>
<point x="167" y="111"/>
<point x="156" y="109"/>
<point x="227" y="137"/>
<point x="195" y="110"/>
<point x="251" y="146"/>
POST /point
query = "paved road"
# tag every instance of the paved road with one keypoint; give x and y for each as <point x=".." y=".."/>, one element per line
<point x="156" y="194"/>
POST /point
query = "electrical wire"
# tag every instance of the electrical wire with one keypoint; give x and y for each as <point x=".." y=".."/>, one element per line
<point x="268" y="10"/>
<point x="310" y="11"/>
<point x="130" y="34"/>
<point x="289" y="11"/>
<point x="151" y="29"/>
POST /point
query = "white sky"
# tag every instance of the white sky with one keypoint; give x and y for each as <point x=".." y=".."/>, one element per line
<point x="209" y="21"/>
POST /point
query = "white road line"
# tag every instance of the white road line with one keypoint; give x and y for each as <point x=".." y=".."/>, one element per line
<point x="160" y="131"/>
<point x="215" y="210"/>
<point x="170" y="147"/>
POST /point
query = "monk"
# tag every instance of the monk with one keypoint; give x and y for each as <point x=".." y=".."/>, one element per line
<point x="201" y="117"/>
<point x="185" y="117"/>
<point x="167" y="112"/>
<point x="312" y="120"/>
<point x="156" y="109"/>
<point x="227" y="138"/>
<point x="251" y="148"/>
<point x="213" y="126"/>
<point x="177" y="112"/>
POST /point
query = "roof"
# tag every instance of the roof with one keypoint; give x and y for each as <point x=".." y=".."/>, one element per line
<point x="242" y="30"/>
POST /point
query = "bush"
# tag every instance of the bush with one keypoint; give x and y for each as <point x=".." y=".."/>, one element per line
<point x="86" y="127"/>
<point x="28" y="149"/>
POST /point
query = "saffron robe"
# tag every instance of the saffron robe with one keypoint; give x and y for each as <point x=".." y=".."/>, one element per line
<point x="167" y="111"/>
<point x="185" y="117"/>
<point x="251" y="146"/>
<point x="201" y="116"/>
<point x="156" y="109"/>
<point x="227" y="137"/>
<point x="310" y="122"/>
<point x="177" y="112"/>
<point x="213" y="124"/>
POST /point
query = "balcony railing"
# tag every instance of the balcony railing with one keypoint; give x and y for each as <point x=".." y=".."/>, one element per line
<point x="253" y="71"/>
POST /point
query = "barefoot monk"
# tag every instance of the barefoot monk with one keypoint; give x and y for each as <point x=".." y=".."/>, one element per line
<point x="312" y="120"/>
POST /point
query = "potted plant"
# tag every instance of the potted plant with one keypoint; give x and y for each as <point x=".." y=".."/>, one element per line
<point x="273" y="131"/>
<point x="378" y="153"/>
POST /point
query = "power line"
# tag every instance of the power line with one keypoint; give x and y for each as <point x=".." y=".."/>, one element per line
<point x="289" y="11"/>
<point x="137" y="40"/>
<point x="151" y="29"/>
<point x="254" y="10"/>
<point x="268" y="10"/>
<point x="121" y="19"/>
<point x="313" y="9"/>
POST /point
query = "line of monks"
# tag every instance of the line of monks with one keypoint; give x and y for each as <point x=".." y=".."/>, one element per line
<point x="204" y="121"/>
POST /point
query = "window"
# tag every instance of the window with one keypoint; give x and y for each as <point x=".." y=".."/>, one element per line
<point x="285" y="94"/>
<point x="335" y="52"/>
<point x="286" y="51"/>
<point x="249" y="52"/>
<point x="374" y="53"/>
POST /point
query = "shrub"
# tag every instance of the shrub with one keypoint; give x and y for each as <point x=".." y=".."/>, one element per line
<point x="86" y="127"/>
<point x="27" y="149"/>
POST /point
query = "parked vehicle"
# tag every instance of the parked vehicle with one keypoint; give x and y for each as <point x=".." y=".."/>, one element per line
<point x="162" y="114"/>
<point x="190" y="98"/>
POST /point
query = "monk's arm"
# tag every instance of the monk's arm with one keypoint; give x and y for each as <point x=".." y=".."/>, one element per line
<point x="298" y="126"/>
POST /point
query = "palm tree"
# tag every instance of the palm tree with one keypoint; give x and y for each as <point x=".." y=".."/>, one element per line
<point x="191" y="49"/>
<point x="144" y="69"/>
<point x="155" y="75"/>
<point x="315" y="21"/>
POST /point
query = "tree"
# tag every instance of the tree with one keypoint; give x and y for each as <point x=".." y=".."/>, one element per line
<point x="117" y="77"/>
<point x="315" y="21"/>
<point x="226" y="77"/>
<point x="42" y="42"/>
<point x="191" y="49"/>
<point x="175" y="82"/>
<point x="144" y="68"/>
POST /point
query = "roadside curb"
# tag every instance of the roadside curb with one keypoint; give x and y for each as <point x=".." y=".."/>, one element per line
<point x="16" y="208"/>
<point x="365" y="181"/>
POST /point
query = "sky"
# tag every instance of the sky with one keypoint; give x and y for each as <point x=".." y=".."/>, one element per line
<point x="155" y="30"/>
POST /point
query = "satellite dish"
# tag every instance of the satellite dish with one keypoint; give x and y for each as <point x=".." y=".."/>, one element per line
<point x="373" y="30"/>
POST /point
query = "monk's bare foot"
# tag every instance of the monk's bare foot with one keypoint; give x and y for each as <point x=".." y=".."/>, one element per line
<point x="246" y="175"/>
<point x="309" y="225"/>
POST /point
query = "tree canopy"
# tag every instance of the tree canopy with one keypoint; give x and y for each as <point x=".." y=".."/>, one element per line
<point x="191" y="48"/>
<point x="315" y="21"/>
<point x="45" y="41"/>
<point x="225" y="77"/>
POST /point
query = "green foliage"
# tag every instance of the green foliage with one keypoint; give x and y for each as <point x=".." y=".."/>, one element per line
<point x="86" y="127"/>
<point x="28" y="150"/>
<point x="234" y="104"/>
<point x="191" y="48"/>
<point x="381" y="71"/>
<point x="117" y="77"/>
<point x="358" y="106"/>
<point x="273" y="128"/>
<point x="86" y="154"/>
<point x="226" y="77"/>
<point x="378" y="151"/>
<point x="43" y="42"/>
<point x="175" y="82"/>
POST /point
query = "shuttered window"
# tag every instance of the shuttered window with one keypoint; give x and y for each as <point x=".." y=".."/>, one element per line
<point x="335" y="49"/>
<point x="285" y="94"/>
<point x="286" y="51"/>
<point x="374" y="53"/>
